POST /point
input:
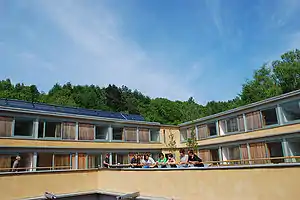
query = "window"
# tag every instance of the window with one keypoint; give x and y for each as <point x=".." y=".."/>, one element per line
<point x="131" y="134"/>
<point x="62" y="161"/>
<point x="68" y="130"/>
<point x="293" y="148"/>
<point x="209" y="154"/>
<point x="118" y="133"/>
<point x="53" y="129"/>
<point x="253" y="120"/>
<point x="291" y="111"/>
<point x="232" y="125"/>
<point x="202" y="131"/>
<point x="212" y="129"/>
<point x="258" y="152"/>
<point x="41" y="130"/>
<point x="7" y="160"/>
<point x="269" y="117"/>
<point x="44" y="161"/>
<point x="94" y="161"/>
<point x="144" y="135"/>
<point x="154" y="135"/>
<point x="23" y="127"/>
<point x="274" y="149"/>
<point x="101" y="133"/>
<point x="86" y="132"/>
<point x="6" y="126"/>
<point x="82" y="161"/>
<point x="183" y="134"/>
<point x="231" y="153"/>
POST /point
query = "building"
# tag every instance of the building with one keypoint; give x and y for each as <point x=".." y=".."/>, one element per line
<point x="53" y="137"/>
<point x="61" y="149"/>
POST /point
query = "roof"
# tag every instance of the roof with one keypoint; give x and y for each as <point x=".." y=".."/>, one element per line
<point x="68" y="110"/>
<point x="249" y="106"/>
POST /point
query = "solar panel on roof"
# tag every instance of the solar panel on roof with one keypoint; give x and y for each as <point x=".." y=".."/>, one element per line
<point x="44" y="107"/>
<point x="2" y="102"/>
<point x="69" y="110"/>
<point x="20" y="104"/>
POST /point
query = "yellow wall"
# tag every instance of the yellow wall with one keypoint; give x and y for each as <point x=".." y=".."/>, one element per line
<point x="7" y="142"/>
<point x="228" y="184"/>
<point x="33" y="185"/>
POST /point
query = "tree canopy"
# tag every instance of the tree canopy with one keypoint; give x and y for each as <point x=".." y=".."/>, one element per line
<point x="281" y="76"/>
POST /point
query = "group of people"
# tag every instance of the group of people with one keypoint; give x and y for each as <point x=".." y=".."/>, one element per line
<point x="164" y="161"/>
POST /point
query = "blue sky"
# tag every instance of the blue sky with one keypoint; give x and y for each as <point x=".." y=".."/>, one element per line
<point x="170" y="48"/>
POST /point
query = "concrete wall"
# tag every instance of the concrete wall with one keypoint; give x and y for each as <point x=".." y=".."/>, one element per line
<point x="210" y="184"/>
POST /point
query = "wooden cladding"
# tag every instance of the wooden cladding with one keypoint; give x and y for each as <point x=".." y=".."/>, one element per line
<point x="82" y="161"/>
<point x="253" y="120"/>
<point x="144" y="135"/>
<point x="62" y="160"/>
<point x="209" y="154"/>
<point x="68" y="130"/>
<point x="5" y="162"/>
<point x="6" y="126"/>
<point x="131" y="134"/>
<point x="86" y="132"/>
<point x="258" y="150"/>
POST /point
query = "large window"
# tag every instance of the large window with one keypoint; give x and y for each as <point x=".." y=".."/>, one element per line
<point x="258" y="153"/>
<point x="269" y="117"/>
<point x="131" y="134"/>
<point x="231" y="125"/>
<point x="209" y="155"/>
<point x="94" y="161"/>
<point x="231" y="153"/>
<point x="274" y="150"/>
<point x="202" y="131"/>
<point x="154" y="135"/>
<point x="68" y="130"/>
<point x="291" y="111"/>
<point x="118" y="133"/>
<point x="23" y="127"/>
<point x="183" y="134"/>
<point x="7" y="160"/>
<point x="212" y="129"/>
<point x="44" y="161"/>
<point x="144" y="135"/>
<point x="86" y="132"/>
<point x="253" y="121"/>
<point x="50" y="129"/>
<point x="293" y="148"/>
<point x="6" y="126"/>
<point x="62" y="161"/>
<point x="101" y="133"/>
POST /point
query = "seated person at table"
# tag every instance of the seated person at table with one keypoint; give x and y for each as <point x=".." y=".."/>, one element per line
<point x="171" y="162"/>
<point x="136" y="161"/>
<point x="148" y="162"/>
<point x="183" y="159"/>
<point x="194" y="160"/>
<point x="161" y="162"/>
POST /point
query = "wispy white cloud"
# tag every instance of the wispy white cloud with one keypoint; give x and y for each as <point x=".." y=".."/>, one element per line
<point x="214" y="6"/>
<point x="112" y="58"/>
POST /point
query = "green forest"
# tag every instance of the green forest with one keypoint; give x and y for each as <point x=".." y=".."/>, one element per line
<point x="275" y="78"/>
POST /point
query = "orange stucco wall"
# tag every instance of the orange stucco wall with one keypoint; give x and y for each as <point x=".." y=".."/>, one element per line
<point x="215" y="184"/>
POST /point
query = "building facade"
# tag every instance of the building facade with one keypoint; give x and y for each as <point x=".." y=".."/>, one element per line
<point x="54" y="137"/>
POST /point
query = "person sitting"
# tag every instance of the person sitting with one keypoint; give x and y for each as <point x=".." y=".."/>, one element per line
<point x="162" y="160"/>
<point x="148" y="162"/>
<point x="183" y="159"/>
<point x="194" y="160"/>
<point x="171" y="162"/>
<point x="136" y="161"/>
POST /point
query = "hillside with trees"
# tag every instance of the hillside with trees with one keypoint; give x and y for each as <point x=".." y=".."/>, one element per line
<point x="280" y="76"/>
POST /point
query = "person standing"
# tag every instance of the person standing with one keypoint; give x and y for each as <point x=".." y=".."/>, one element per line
<point x="16" y="164"/>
